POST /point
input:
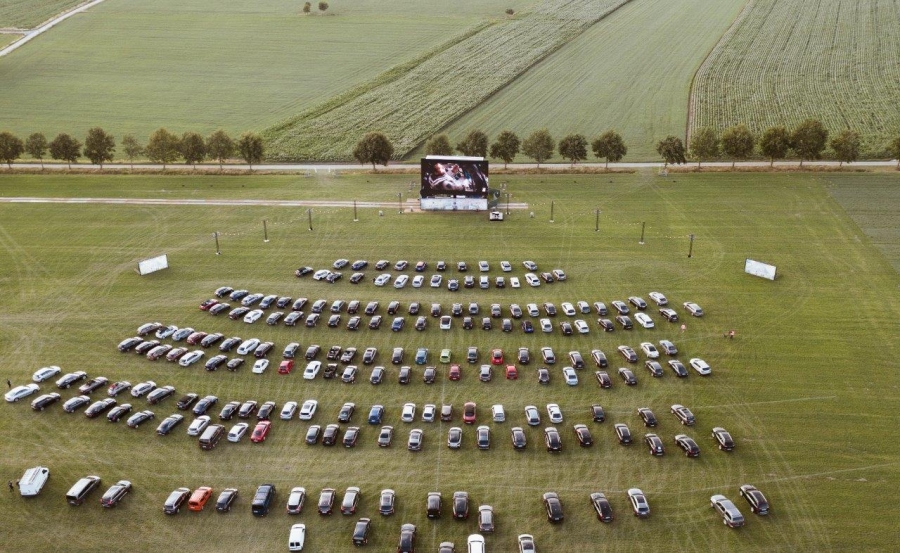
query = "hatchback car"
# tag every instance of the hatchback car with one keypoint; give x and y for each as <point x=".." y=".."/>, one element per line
<point x="602" y="507"/>
<point x="623" y="433"/>
<point x="701" y="366"/>
<point x="639" y="503"/>
<point x="723" y="438"/>
<point x="758" y="503"/>
<point x="553" y="506"/>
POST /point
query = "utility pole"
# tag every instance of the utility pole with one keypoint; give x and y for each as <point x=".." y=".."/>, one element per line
<point x="309" y="213"/>
<point x="216" y="236"/>
<point x="643" y="226"/>
<point x="265" y="232"/>
<point x="691" y="248"/>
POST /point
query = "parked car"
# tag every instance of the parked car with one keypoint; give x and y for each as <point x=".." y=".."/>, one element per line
<point x="669" y="314"/>
<point x="639" y="503"/>
<point x="729" y="512"/>
<point x="433" y="505"/>
<point x="627" y="376"/>
<point x="552" y="440"/>
<point x="688" y="445"/>
<point x="601" y="507"/>
<point x="583" y="435"/>
<point x="176" y="499"/>
<point x="723" y="438"/>
<point x="647" y="416"/>
<point x="623" y="433"/>
<point x="693" y="309"/>
<point x="683" y="414"/>
<point x="603" y="379"/>
<point x="678" y="368"/>
<point x="701" y="366"/>
<point x="553" y="506"/>
<point x="654" y="444"/>
<point x="758" y="503"/>
<point x="44" y="401"/>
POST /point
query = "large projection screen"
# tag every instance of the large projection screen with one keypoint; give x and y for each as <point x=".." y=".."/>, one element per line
<point x="454" y="177"/>
<point x="759" y="269"/>
<point x="153" y="264"/>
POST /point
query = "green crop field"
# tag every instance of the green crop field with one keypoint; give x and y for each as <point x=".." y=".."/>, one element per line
<point x="630" y="72"/>
<point x="807" y="388"/>
<point x="132" y="66"/>
<point x="7" y="38"/>
<point x="27" y="14"/>
<point x="786" y="61"/>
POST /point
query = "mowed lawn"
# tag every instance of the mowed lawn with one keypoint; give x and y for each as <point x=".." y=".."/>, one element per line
<point x="27" y="14"/>
<point x="807" y="387"/>
<point x="630" y="72"/>
<point x="131" y="66"/>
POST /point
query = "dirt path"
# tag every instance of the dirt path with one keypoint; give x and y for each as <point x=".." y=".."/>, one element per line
<point x="239" y="203"/>
<point x="29" y="35"/>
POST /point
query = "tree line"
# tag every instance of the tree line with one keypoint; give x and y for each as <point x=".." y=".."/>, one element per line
<point x="162" y="147"/>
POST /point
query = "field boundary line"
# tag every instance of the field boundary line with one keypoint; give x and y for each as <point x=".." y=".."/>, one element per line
<point x="46" y="26"/>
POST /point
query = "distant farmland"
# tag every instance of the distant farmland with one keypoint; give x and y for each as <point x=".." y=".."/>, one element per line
<point x="837" y="61"/>
<point x="27" y="14"/>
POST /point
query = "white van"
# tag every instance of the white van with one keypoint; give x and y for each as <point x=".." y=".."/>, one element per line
<point x="32" y="482"/>
<point x="476" y="544"/>
<point x="297" y="537"/>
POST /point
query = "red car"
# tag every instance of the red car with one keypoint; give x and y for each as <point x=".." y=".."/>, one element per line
<point x="511" y="372"/>
<point x="260" y="432"/>
<point x="469" y="412"/>
<point x="496" y="356"/>
<point x="286" y="366"/>
<point x="207" y="304"/>
<point x="196" y="337"/>
<point x="455" y="372"/>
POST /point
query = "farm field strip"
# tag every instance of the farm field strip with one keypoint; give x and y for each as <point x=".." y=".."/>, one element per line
<point x="788" y="60"/>
<point x="27" y="14"/>
<point x="630" y="72"/>
<point x="417" y="103"/>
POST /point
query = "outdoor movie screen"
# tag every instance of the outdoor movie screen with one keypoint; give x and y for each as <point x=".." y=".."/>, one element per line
<point x="461" y="177"/>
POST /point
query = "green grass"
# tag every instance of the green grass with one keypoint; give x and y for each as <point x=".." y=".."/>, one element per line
<point x="7" y="38"/>
<point x="630" y="72"/>
<point x="807" y="387"/>
<point x="27" y="14"/>
<point x="791" y="60"/>
<point x="209" y="64"/>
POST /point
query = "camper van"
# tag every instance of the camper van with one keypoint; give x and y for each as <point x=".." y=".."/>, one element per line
<point x="32" y="482"/>
<point x="211" y="436"/>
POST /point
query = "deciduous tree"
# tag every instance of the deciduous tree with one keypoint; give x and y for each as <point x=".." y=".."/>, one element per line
<point x="163" y="147"/>
<point x="672" y="150"/>
<point x="250" y="146"/>
<point x="219" y="146"/>
<point x="307" y="7"/>
<point x="704" y="144"/>
<point x="506" y="147"/>
<point x="775" y="143"/>
<point x="573" y="148"/>
<point x="475" y="144"/>
<point x="66" y="148"/>
<point x="36" y="147"/>
<point x="738" y="143"/>
<point x="132" y="148"/>
<point x="323" y="6"/>
<point x="609" y="145"/>
<point x="439" y="146"/>
<point x="11" y="147"/>
<point x="99" y="146"/>
<point x="809" y="139"/>
<point x="374" y="148"/>
<point x="193" y="148"/>
<point x="539" y="146"/>
<point x="846" y="146"/>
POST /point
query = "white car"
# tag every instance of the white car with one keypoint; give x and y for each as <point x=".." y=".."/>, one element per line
<point x="297" y="537"/>
<point x="483" y="266"/>
<point x="505" y="266"/>
<point x="401" y="281"/>
<point x="559" y="274"/>
<point x="260" y="366"/>
<point x="650" y="350"/>
<point x="46" y="373"/>
<point x="409" y="412"/>
<point x="693" y="308"/>
<point x="532" y="310"/>
<point x="248" y="346"/>
<point x="308" y="409"/>
<point x="312" y="370"/>
<point x="417" y="281"/>
<point x="429" y="412"/>
<point x="546" y="325"/>
<point x="253" y="316"/>
<point x="571" y="376"/>
<point x="530" y="265"/>
<point x="555" y="413"/>
<point x="514" y="282"/>
<point x="20" y="392"/>
<point x="498" y="413"/>
<point x="581" y="326"/>
<point x="532" y="280"/>
<point x="643" y="319"/>
<point x="198" y="426"/>
<point x="382" y="279"/>
<point x="287" y="412"/>
<point x="658" y="298"/>
<point x="583" y="307"/>
<point x="446" y="322"/>
<point x="532" y="415"/>
<point x="700" y="366"/>
<point x="436" y="281"/>
<point x="189" y="359"/>
<point x="166" y="331"/>
<point x="143" y="388"/>
<point x="568" y="309"/>
<point x="237" y="432"/>
<point x="321" y="274"/>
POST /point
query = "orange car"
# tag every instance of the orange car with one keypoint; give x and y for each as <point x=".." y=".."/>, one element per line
<point x="199" y="498"/>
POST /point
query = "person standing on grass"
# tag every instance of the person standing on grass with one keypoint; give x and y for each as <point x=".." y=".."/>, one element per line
<point x="10" y="484"/>
<point x="8" y="383"/>
<point x="683" y="328"/>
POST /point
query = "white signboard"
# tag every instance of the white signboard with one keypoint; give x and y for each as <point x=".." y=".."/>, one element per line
<point x="453" y="204"/>
<point x="759" y="269"/>
<point x="153" y="264"/>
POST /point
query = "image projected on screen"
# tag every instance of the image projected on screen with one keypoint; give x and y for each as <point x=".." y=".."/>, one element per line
<point x="465" y="177"/>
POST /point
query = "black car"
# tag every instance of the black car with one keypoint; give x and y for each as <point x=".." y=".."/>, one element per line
<point x="299" y="304"/>
<point x="361" y="531"/>
<point x="647" y="416"/>
<point x="597" y="414"/>
<point x="359" y="265"/>
<point x="118" y="412"/>
<point x="583" y="435"/>
<point x="486" y="323"/>
<point x="625" y="321"/>
<point x="283" y="302"/>
<point x="226" y="500"/>
<point x="115" y="494"/>
<point x="229" y="410"/>
<point x="669" y="314"/>
<point x="552" y="440"/>
<point x="45" y="401"/>
<point x="518" y="438"/>
<point x="347" y="355"/>
<point x="186" y="401"/>
<point x="211" y="339"/>
<point x="229" y="344"/>
<point x="637" y="302"/>
<point x="628" y="353"/>
<point x="606" y="325"/>
<point x="334" y="352"/>
<point x="460" y="505"/>
<point x="353" y="307"/>
<point x="688" y="445"/>
<point x="433" y="505"/>
<point x="603" y="379"/>
<point x="407" y="539"/>
<point x="219" y="308"/>
<point x="330" y="371"/>
<point x="375" y="322"/>
<point x="553" y="506"/>
<point x="393" y="307"/>
<point x="330" y="434"/>
<point x="247" y="408"/>
<point x="160" y="394"/>
<point x="405" y="374"/>
<point x="382" y="264"/>
<point x="262" y="500"/>
<point x="468" y="324"/>
<point x="303" y="271"/>
<point x="429" y="375"/>
<point x="265" y="411"/>
<point x="602" y="507"/>
<point x="313" y="434"/>
<point x="678" y="368"/>
<point x="215" y="362"/>
<point x="527" y="327"/>
<point x="724" y="439"/>
<point x="326" y="501"/>
<point x="205" y="405"/>
<point x="369" y="356"/>
<point x="263" y="349"/>
<point x="93" y="384"/>
<point x="312" y="352"/>
<point x="654" y="444"/>
<point x="129" y="343"/>
<point x="377" y="375"/>
<point x="137" y="419"/>
<point x="628" y="376"/>
<point x="99" y="407"/>
<point x="655" y="368"/>
<point x="684" y="414"/>
<point x="346" y="412"/>
<point x="168" y="424"/>
<point x="235" y="364"/>
<point x="334" y="321"/>
<point x="623" y="433"/>
<point x="223" y="291"/>
<point x="758" y="503"/>
<point x="238" y="313"/>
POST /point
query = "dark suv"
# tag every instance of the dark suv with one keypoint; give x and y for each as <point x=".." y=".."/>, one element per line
<point x="262" y="501"/>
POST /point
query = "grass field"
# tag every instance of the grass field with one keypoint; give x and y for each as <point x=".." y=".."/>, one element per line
<point x="418" y="102"/>
<point x="239" y="65"/>
<point x="808" y="387"/>
<point x="7" y="38"/>
<point x="874" y="204"/>
<point x="790" y="60"/>
<point x="630" y="72"/>
<point x="27" y="14"/>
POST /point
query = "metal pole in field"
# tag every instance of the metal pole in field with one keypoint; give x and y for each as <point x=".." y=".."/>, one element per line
<point x="399" y="202"/>
<point x="354" y="211"/>
<point x="643" y="226"/>
<point x="265" y="232"/>
<point x="597" y="221"/>
<point x="309" y="213"/>
<point x="551" y="210"/>
<point x="216" y="236"/>
<point x="507" y="203"/>
<point x="691" y="249"/>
